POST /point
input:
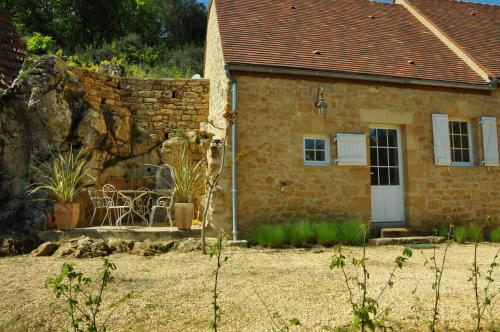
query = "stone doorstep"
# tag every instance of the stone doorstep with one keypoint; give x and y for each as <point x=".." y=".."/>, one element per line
<point x="135" y="233"/>
<point x="396" y="232"/>
<point x="406" y="240"/>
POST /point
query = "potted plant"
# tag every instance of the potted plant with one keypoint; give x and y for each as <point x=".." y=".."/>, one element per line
<point x="189" y="184"/>
<point x="62" y="180"/>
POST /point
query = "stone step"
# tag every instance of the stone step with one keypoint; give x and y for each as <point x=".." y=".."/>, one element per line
<point x="406" y="240"/>
<point x="396" y="232"/>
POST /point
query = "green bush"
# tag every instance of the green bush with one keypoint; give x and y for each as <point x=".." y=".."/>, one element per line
<point x="351" y="232"/>
<point x="460" y="234"/>
<point x="39" y="44"/>
<point x="475" y="233"/>
<point x="298" y="233"/>
<point x="495" y="235"/>
<point x="326" y="233"/>
<point x="269" y="235"/>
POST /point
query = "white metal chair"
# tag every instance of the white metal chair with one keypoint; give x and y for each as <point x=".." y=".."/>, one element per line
<point x="164" y="186"/>
<point x="119" y="203"/>
<point x="97" y="203"/>
<point x="164" y="202"/>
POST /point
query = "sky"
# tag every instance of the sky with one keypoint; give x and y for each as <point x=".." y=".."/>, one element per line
<point x="493" y="2"/>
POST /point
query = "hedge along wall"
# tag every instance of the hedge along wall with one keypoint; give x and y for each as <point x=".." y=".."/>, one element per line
<point x="156" y="105"/>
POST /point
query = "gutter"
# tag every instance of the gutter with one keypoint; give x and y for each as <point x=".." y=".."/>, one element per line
<point x="234" y="151"/>
<point x="360" y="77"/>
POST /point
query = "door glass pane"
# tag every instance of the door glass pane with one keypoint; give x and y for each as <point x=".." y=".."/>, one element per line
<point x="392" y="138"/>
<point x="373" y="156"/>
<point x="456" y="141"/>
<point x="465" y="142"/>
<point x="382" y="157"/>
<point x="466" y="156"/>
<point x="374" y="175"/>
<point x="382" y="137"/>
<point x="393" y="157"/>
<point x="383" y="176"/>
<point x="394" y="176"/>
<point x="373" y="137"/>
<point x="457" y="155"/>
<point x="464" y="128"/>
<point x="456" y="127"/>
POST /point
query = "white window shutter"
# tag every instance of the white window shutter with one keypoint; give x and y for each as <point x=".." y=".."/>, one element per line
<point x="490" y="141"/>
<point x="351" y="150"/>
<point x="441" y="137"/>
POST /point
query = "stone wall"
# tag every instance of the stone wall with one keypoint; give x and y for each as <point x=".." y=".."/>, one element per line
<point x="274" y="184"/>
<point x="156" y="105"/>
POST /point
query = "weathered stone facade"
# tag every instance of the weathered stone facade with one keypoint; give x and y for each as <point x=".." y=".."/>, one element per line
<point x="276" y="112"/>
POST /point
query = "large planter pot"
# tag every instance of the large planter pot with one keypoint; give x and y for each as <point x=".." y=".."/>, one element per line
<point x="66" y="215"/>
<point x="184" y="215"/>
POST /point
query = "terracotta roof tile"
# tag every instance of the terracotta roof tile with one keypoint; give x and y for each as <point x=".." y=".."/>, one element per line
<point x="354" y="36"/>
<point x="11" y="51"/>
<point x="474" y="27"/>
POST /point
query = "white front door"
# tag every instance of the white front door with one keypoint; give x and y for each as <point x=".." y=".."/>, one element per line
<point x="386" y="175"/>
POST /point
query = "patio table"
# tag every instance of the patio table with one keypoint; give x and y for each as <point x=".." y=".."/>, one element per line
<point x="136" y="196"/>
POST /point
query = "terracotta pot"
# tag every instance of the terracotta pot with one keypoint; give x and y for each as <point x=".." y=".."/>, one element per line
<point x="66" y="215"/>
<point x="184" y="215"/>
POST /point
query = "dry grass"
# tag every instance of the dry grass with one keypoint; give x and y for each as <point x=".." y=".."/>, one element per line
<point x="171" y="292"/>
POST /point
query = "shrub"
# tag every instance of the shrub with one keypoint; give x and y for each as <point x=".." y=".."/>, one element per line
<point x="268" y="235"/>
<point x="475" y="233"/>
<point x="326" y="233"/>
<point x="460" y="234"/>
<point x="299" y="232"/>
<point x="495" y="235"/>
<point x="351" y="232"/>
<point x="39" y="44"/>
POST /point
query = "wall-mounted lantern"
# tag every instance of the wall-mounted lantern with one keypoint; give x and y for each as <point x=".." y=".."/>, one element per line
<point x="321" y="105"/>
<point x="214" y="147"/>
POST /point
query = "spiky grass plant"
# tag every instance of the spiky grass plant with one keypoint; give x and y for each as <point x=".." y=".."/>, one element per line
<point x="460" y="234"/>
<point x="326" y="233"/>
<point x="269" y="235"/>
<point x="475" y="233"/>
<point x="61" y="177"/>
<point x="495" y="235"/>
<point x="351" y="232"/>
<point x="299" y="233"/>
<point x="189" y="179"/>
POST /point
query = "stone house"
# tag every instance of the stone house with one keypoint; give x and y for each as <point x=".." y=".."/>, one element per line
<point x="356" y="109"/>
<point x="12" y="51"/>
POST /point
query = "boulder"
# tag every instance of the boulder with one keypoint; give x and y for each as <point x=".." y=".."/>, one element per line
<point x="45" y="249"/>
<point x="83" y="247"/>
<point x="92" y="129"/>
<point x="15" y="243"/>
<point x="119" y="245"/>
<point x="150" y="248"/>
<point x="65" y="249"/>
<point x="189" y="245"/>
<point x="112" y="69"/>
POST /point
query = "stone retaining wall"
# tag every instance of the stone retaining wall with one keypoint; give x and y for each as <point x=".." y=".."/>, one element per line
<point x="156" y="105"/>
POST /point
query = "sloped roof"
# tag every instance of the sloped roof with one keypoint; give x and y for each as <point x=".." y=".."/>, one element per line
<point x="351" y="36"/>
<point x="11" y="51"/>
<point x="474" y="27"/>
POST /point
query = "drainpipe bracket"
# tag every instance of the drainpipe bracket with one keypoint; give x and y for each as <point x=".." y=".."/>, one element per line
<point x="238" y="243"/>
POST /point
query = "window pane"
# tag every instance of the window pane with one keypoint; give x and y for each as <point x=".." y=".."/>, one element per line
<point x="374" y="175"/>
<point x="320" y="144"/>
<point x="382" y="137"/>
<point x="457" y="155"/>
<point x="382" y="157"/>
<point x="456" y="127"/>
<point x="320" y="156"/>
<point x="455" y="141"/>
<point x="373" y="156"/>
<point x="465" y="142"/>
<point x="309" y="155"/>
<point x="464" y="128"/>
<point x="373" y="137"/>
<point x="309" y="144"/>
<point x="392" y="136"/>
<point x="466" y="156"/>
<point x="394" y="176"/>
<point x="384" y="176"/>
<point x="393" y="157"/>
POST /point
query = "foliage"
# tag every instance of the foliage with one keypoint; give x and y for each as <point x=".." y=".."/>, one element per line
<point x="365" y="309"/>
<point x="39" y="44"/>
<point x="494" y="235"/>
<point x="326" y="233"/>
<point x="351" y="232"/>
<point x="460" y="234"/>
<point x="216" y="251"/>
<point x="298" y="233"/>
<point x="61" y="178"/>
<point x="437" y="269"/>
<point x="269" y="235"/>
<point x="475" y="233"/>
<point x="83" y="308"/>
<point x="189" y="179"/>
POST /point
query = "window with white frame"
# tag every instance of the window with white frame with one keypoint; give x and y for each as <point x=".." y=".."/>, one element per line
<point x="460" y="142"/>
<point x="316" y="150"/>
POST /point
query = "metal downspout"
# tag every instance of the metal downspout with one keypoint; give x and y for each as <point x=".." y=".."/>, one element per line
<point x="234" y="151"/>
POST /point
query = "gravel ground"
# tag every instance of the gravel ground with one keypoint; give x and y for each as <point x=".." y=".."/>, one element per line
<point x="172" y="292"/>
